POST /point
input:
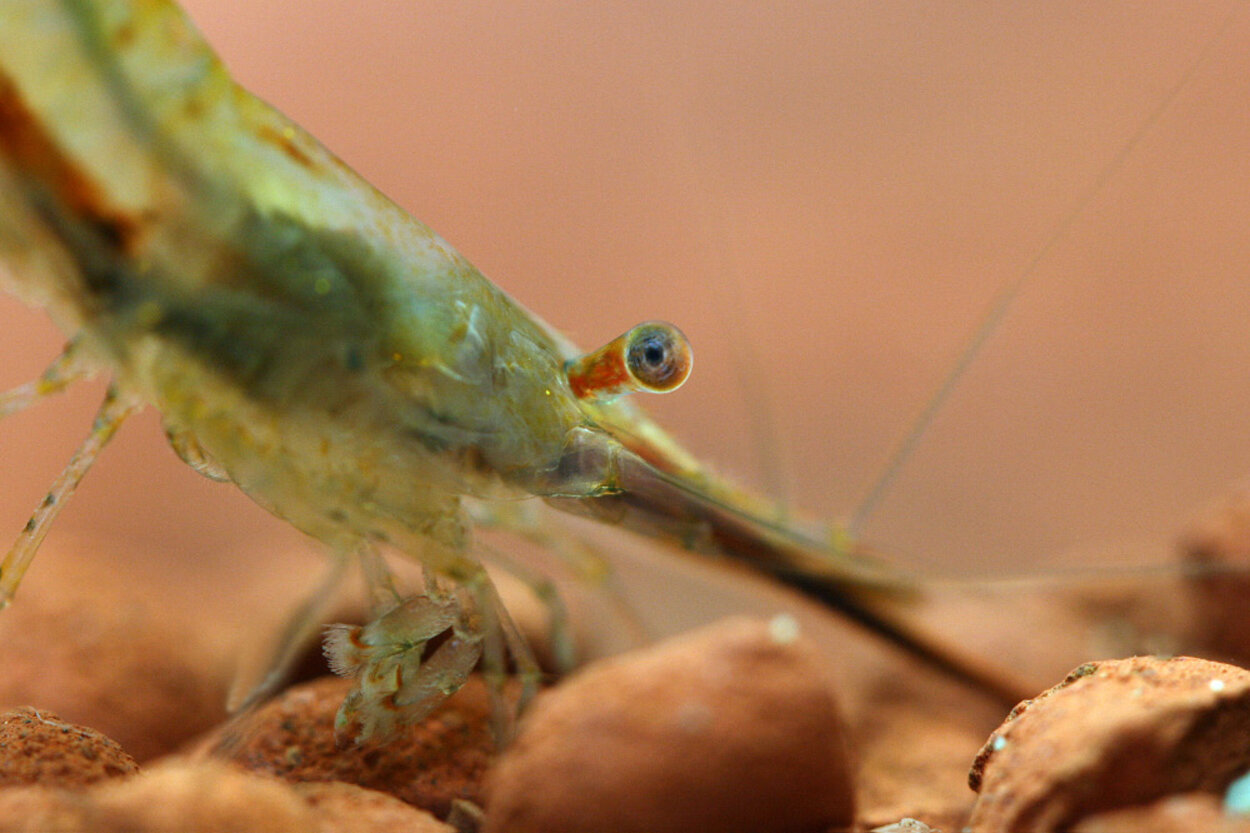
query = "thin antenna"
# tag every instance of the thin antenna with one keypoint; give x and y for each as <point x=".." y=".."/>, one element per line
<point x="753" y="386"/>
<point x="1002" y="303"/>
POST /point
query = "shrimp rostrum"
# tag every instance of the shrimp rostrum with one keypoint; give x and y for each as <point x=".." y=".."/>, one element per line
<point x="308" y="341"/>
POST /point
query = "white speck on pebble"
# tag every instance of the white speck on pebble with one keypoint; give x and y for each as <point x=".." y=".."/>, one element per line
<point x="783" y="629"/>
<point x="1216" y="685"/>
<point x="1000" y="742"/>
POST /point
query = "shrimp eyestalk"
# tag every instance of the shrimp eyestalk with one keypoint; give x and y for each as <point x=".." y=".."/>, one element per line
<point x="308" y="341"/>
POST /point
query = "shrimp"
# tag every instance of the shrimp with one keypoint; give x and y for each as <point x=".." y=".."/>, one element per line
<point x="340" y="363"/>
<point x="308" y="341"/>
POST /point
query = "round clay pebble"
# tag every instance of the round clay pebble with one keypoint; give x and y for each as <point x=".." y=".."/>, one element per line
<point x="183" y="796"/>
<point x="209" y="796"/>
<point x="346" y="808"/>
<point x="1216" y="548"/>
<point x="441" y="759"/>
<point x="733" y="727"/>
<point x="37" y="747"/>
<point x="83" y="641"/>
<point x="1114" y="734"/>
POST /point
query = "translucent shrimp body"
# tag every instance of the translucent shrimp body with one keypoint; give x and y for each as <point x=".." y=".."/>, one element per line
<point x="307" y="340"/>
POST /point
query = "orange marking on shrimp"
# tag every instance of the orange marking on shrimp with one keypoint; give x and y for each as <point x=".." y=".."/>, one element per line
<point x="24" y="140"/>
<point x="654" y="357"/>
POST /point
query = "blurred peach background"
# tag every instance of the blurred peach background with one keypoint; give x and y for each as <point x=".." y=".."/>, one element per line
<point x="826" y="197"/>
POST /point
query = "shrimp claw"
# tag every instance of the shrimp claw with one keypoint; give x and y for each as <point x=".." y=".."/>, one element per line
<point x="402" y="673"/>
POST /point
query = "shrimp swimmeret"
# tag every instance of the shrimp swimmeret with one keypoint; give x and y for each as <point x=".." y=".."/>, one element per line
<point x="305" y="339"/>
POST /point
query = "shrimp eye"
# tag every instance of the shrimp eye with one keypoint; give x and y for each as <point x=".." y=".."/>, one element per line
<point x="658" y="356"/>
<point x="653" y="357"/>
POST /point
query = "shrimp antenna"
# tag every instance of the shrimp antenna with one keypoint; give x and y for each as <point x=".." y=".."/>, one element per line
<point x="1001" y="304"/>
<point x="700" y="168"/>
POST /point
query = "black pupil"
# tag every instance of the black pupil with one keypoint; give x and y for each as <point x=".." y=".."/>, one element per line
<point x="650" y="358"/>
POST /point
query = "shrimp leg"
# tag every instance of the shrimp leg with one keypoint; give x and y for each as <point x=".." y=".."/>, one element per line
<point x="300" y="629"/>
<point x="582" y="558"/>
<point x="63" y="372"/>
<point x="501" y="639"/>
<point x="379" y="581"/>
<point x="113" y="411"/>
<point x="563" y="650"/>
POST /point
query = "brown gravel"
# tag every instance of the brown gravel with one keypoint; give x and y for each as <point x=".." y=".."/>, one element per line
<point x="913" y="761"/>
<point x="1187" y="813"/>
<point x="86" y="641"/>
<point x="346" y="808"/>
<point x="207" y="796"/>
<point x="1114" y="734"/>
<point x="429" y="765"/>
<point x="1217" y="547"/>
<point x="39" y="748"/>
<point x="178" y="797"/>
<point x="733" y="727"/>
<point x="120" y="658"/>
